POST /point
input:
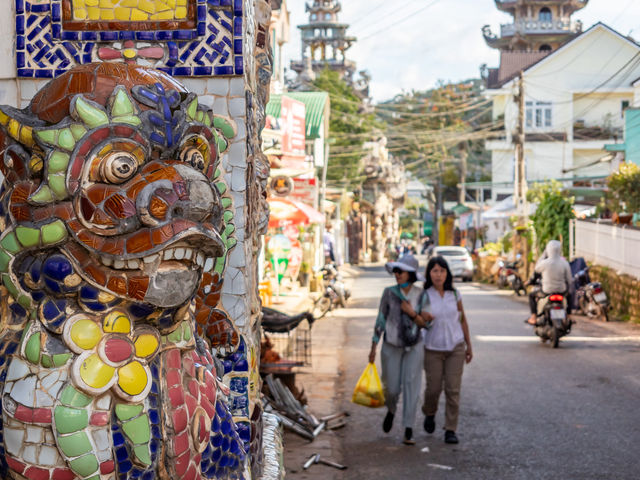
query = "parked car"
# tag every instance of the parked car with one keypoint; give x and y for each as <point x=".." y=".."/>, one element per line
<point x="458" y="258"/>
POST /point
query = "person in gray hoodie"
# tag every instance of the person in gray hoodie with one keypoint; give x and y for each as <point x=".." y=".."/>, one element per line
<point x="556" y="276"/>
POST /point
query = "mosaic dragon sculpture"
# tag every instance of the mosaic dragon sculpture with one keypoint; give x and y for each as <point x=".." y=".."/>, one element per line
<point x="115" y="233"/>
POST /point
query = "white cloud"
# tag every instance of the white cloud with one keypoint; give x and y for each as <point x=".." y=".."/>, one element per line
<point x="441" y="42"/>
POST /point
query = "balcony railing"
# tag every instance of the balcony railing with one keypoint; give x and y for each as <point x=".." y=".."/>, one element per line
<point x="525" y="27"/>
<point x="596" y="132"/>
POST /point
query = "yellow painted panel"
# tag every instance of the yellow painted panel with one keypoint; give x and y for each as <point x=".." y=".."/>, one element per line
<point x="181" y="12"/>
<point x="138" y="15"/>
<point x="79" y="14"/>
<point x="122" y="14"/>
<point x="129" y="3"/>
<point x="147" y="6"/>
<point x="94" y="13"/>
<point x="107" y="14"/>
<point x="163" y="16"/>
<point x="91" y="3"/>
<point x="107" y="3"/>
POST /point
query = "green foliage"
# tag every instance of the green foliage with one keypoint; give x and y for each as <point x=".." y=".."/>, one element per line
<point x="554" y="212"/>
<point x="624" y="189"/>
<point x="349" y="128"/>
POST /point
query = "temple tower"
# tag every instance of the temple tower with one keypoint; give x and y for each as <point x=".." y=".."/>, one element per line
<point x="538" y="25"/>
<point x="325" y="40"/>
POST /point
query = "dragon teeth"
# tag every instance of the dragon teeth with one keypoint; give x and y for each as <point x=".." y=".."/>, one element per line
<point x="168" y="254"/>
<point x="200" y="259"/>
<point x="118" y="264"/>
<point x="208" y="264"/>
<point x="133" y="264"/>
<point x="106" y="261"/>
<point x="178" y="253"/>
<point x="188" y="254"/>
<point x="151" y="258"/>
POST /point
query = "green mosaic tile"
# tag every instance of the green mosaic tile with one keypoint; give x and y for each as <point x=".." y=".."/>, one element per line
<point x="46" y="361"/>
<point x="53" y="232"/>
<point x="58" y="184"/>
<point x="75" y="444"/>
<point x="28" y="237"/>
<point x="58" y="161"/>
<point x="48" y="136"/>
<point x="228" y="216"/>
<point x="222" y="187"/>
<point x="10" y="243"/>
<point x="91" y="116"/>
<point x="192" y="109"/>
<point x="43" y="195"/>
<point x="84" y="466"/>
<point x="175" y="336"/>
<point x="32" y="349"/>
<point x="186" y="331"/>
<point x="60" y="359"/>
<point x="121" y="104"/>
<point x="78" y="131"/>
<point x="13" y="290"/>
<point x="138" y="430"/>
<point x="226" y="202"/>
<point x="125" y="411"/>
<point x="66" y="140"/>
<point x="25" y="301"/>
<point x="224" y="126"/>
<point x="69" y="420"/>
<point x="5" y="258"/>
<point x="72" y="397"/>
<point x="130" y="119"/>
<point x="142" y="453"/>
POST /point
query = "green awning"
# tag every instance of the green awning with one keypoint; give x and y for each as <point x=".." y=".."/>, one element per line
<point x="459" y="209"/>
<point x="316" y="107"/>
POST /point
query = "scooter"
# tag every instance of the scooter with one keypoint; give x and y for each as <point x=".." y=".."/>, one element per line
<point x="591" y="298"/>
<point x="553" y="322"/>
<point x="335" y="294"/>
<point x="508" y="275"/>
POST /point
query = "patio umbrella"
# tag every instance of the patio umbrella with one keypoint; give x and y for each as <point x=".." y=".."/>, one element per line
<point x="291" y="212"/>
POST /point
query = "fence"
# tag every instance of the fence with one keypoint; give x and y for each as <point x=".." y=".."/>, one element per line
<point x="602" y="243"/>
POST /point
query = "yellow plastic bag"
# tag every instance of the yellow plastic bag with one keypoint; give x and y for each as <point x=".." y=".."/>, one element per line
<point x="368" y="391"/>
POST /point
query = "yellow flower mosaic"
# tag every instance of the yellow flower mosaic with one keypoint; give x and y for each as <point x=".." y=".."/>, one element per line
<point x="111" y="354"/>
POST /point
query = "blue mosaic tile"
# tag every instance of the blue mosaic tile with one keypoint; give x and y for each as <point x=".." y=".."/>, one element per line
<point x="40" y="31"/>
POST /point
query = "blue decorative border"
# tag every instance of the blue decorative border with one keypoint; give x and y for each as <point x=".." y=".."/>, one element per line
<point x="45" y="50"/>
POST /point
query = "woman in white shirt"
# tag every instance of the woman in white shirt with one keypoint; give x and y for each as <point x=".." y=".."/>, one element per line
<point x="447" y="346"/>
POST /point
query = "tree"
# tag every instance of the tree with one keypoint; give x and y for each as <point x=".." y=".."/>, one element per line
<point x="554" y="212"/>
<point x="349" y="127"/>
<point x="624" y="189"/>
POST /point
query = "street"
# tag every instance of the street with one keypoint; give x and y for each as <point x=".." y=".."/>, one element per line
<point x="527" y="411"/>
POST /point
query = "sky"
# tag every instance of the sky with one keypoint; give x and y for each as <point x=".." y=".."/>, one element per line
<point x="411" y="44"/>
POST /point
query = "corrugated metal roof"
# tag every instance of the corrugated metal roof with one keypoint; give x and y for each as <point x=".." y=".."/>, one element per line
<point x="316" y="105"/>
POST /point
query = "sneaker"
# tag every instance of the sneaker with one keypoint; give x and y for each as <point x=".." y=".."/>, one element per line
<point x="388" y="423"/>
<point x="407" y="440"/>
<point x="429" y="423"/>
<point x="450" y="437"/>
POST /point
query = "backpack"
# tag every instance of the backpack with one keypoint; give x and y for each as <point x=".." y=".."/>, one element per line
<point x="410" y="332"/>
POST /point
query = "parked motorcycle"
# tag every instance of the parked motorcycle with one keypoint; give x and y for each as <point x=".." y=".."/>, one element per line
<point x="335" y="294"/>
<point x="508" y="275"/>
<point x="553" y="321"/>
<point x="591" y="299"/>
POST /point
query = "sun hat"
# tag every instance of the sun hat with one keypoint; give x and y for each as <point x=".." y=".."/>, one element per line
<point x="407" y="262"/>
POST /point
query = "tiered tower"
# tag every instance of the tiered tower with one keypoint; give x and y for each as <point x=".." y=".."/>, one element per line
<point x="324" y="40"/>
<point x="538" y="25"/>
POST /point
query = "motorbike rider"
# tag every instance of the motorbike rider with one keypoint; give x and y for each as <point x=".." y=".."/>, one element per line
<point x="556" y="277"/>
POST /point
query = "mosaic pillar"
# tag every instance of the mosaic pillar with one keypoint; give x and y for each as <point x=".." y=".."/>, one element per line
<point x="128" y="282"/>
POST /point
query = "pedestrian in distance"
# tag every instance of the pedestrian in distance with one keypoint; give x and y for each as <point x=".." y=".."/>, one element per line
<point x="401" y="353"/>
<point x="447" y="346"/>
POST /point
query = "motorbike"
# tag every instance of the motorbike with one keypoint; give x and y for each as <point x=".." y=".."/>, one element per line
<point x="591" y="299"/>
<point x="508" y="275"/>
<point x="553" y="321"/>
<point x="335" y="294"/>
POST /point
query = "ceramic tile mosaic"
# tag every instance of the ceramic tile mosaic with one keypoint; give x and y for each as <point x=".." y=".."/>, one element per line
<point x="116" y="228"/>
<point x="202" y="37"/>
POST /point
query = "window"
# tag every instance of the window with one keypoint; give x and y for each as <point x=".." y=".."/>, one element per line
<point x="327" y="16"/>
<point x="545" y="48"/>
<point x="538" y="115"/>
<point x="545" y="15"/>
<point x="314" y="16"/>
<point x="624" y="105"/>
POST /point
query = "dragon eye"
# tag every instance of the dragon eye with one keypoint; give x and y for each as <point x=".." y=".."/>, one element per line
<point x="119" y="167"/>
<point x="193" y="157"/>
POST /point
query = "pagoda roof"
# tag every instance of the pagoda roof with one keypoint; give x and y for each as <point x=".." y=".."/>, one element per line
<point x="509" y="6"/>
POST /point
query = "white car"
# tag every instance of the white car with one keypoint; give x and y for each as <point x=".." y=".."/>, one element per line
<point x="459" y="260"/>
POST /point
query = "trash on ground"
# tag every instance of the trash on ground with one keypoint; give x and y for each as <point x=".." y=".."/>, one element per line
<point x="425" y="450"/>
<point x="440" y="467"/>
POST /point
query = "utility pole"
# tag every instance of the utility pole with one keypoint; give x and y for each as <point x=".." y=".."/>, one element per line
<point x="463" y="173"/>
<point x="520" y="181"/>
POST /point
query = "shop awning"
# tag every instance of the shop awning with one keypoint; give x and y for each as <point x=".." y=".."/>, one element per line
<point x="316" y="109"/>
<point x="290" y="212"/>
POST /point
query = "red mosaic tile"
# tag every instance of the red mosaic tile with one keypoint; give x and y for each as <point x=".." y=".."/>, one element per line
<point x="36" y="473"/>
<point x="96" y="273"/>
<point x="124" y="131"/>
<point x="118" y="349"/>
<point x="63" y="474"/>
<point x="176" y="395"/>
<point x="107" y="467"/>
<point x="99" y="418"/>
<point x="24" y="414"/>
<point x="139" y="242"/>
<point x="191" y="473"/>
<point x="100" y="135"/>
<point x="173" y="359"/>
<point x="136" y="188"/>
<point x="98" y="193"/>
<point x="64" y="211"/>
<point x="172" y="378"/>
<point x="193" y="388"/>
<point x="117" y="285"/>
<point x="208" y="407"/>
<point x="162" y="234"/>
<point x="188" y="367"/>
<point x="101" y="218"/>
<point x="137" y="287"/>
<point x="44" y="213"/>
<point x="166" y="173"/>
<point x="119" y="206"/>
<point x="14" y="464"/>
<point x="41" y="415"/>
<point x="192" y="403"/>
<point x="21" y="213"/>
<point x="182" y="462"/>
<point x="90" y="240"/>
<point x="113" y="246"/>
<point x="179" y="419"/>
<point x="181" y="443"/>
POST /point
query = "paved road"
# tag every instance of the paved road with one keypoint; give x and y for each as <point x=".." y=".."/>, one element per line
<point x="528" y="411"/>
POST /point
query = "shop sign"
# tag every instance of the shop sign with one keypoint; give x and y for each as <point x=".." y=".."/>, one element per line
<point x="293" y="127"/>
<point x="306" y="190"/>
<point x="281" y="185"/>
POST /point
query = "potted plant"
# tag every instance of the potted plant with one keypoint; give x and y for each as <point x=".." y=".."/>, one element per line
<point x="623" y="196"/>
<point x="304" y="273"/>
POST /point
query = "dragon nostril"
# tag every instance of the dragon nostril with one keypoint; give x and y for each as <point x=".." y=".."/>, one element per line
<point x="178" y="212"/>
